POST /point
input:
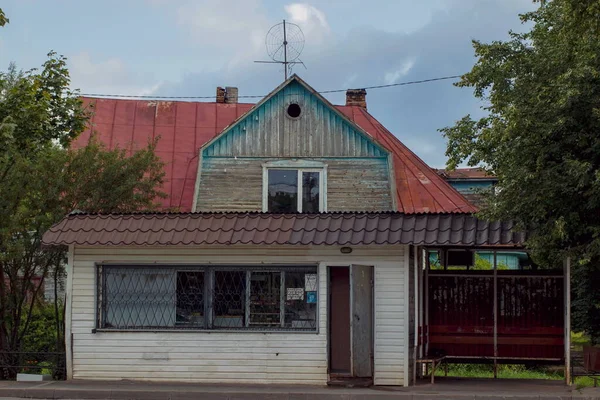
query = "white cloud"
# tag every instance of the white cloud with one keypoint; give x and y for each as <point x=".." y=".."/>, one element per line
<point x="230" y="33"/>
<point x="109" y="76"/>
<point x="311" y="20"/>
<point x="233" y="32"/>
<point x="393" y="76"/>
<point x="365" y="54"/>
<point x="306" y="14"/>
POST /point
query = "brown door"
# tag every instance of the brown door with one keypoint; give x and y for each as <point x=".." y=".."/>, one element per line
<point x="339" y="320"/>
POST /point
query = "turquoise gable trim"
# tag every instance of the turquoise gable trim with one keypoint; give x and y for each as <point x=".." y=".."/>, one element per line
<point x="267" y="130"/>
<point x="471" y="186"/>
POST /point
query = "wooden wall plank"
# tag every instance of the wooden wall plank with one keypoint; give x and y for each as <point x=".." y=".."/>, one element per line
<point x="236" y="184"/>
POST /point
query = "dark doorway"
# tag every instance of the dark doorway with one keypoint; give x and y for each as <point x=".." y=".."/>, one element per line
<point x="339" y="321"/>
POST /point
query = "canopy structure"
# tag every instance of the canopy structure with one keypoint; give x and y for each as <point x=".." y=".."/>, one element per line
<point x="385" y="228"/>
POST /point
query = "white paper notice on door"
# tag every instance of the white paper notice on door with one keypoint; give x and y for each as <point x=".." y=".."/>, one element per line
<point x="295" y="294"/>
<point x="310" y="282"/>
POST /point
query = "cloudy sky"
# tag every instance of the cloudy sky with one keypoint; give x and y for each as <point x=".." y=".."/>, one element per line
<point x="188" y="47"/>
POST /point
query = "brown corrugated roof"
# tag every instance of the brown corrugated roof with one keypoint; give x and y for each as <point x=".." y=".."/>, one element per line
<point x="163" y="229"/>
<point x="465" y="173"/>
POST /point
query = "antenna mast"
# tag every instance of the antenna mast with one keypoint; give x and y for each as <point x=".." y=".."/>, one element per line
<point x="284" y="42"/>
<point x="285" y="61"/>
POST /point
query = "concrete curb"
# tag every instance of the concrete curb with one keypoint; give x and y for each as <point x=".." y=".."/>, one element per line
<point x="133" y="391"/>
<point x="124" y="394"/>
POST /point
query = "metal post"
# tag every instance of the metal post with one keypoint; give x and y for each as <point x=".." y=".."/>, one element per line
<point x="422" y="267"/>
<point x="282" y="299"/>
<point x="426" y="308"/>
<point x="285" y="63"/>
<point x="248" y="294"/>
<point x="69" y="312"/>
<point x="417" y="262"/>
<point x="444" y="253"/>
<point x="416" y="265"/>
<point x="567" y="316"/>
<point x="495" y="315"/>
<point x="209" y="278"/>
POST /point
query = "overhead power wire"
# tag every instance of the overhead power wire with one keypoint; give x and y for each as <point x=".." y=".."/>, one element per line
<point x="261" y="96"/>
<point x="396" y="84"/>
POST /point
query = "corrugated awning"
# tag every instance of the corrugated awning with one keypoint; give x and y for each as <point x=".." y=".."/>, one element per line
<point x="167" y="229"/>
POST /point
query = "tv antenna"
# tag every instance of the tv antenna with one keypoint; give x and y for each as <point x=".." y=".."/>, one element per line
<point x="284" y="42"/>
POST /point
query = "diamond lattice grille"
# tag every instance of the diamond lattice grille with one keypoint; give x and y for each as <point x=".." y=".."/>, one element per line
<point x="229" y="299"/>
<point x="282" y="298"/>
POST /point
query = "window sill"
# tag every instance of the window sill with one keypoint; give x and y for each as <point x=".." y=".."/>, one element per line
<point x="244" y="331"/>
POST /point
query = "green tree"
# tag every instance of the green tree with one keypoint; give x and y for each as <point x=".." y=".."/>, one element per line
<point x="41" y="180"/>
<point x="3" y="19"/>
<point x="539" y="136"/>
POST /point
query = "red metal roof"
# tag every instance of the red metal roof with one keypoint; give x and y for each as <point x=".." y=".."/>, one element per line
<point x="165" y="229"/>
<point x="185" y="126"/>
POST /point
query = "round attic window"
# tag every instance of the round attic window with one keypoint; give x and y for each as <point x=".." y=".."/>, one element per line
<point x="294" y="110"/>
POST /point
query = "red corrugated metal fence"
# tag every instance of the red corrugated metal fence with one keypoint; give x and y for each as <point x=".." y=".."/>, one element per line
<point x="529" y="307"/>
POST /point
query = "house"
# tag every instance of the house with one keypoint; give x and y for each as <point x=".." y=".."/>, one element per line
<point x="296" y="255"/>
<point x="469" y="182"/>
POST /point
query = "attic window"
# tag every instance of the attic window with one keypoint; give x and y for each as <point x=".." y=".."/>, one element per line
<point x="294" y="186"/>
<point x="294" y="110"/>
<point x="291" y="191"/>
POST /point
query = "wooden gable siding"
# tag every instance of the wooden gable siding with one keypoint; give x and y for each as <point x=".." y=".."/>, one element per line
<point x="267" y="131"/>
<point x="353" y="184"/>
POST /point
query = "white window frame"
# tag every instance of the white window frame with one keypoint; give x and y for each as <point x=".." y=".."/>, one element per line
<point x="301" y="166"/>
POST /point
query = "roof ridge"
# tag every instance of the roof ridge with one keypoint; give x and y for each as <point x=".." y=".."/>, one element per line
<point x="165" y="100"/>
<point x="260" y="213"/>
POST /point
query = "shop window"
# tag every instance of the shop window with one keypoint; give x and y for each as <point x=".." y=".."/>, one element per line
<point x="237" y="298"/>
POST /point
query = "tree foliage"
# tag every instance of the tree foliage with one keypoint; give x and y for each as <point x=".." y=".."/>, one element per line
<point x="3" y="19"/>
<point x="42" y="180"/>
<point x="540" y="137"/>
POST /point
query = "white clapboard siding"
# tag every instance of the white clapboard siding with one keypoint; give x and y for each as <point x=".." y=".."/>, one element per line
<point x="390" y="324"/>
<point x="232" y="357"/>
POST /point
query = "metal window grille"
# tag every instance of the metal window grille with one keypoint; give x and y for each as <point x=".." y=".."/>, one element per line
<point x="207" y="298"/>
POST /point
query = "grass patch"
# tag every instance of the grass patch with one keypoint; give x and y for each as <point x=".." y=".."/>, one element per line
<point x="505" y="371"/>
<point x="583" y="381"/>
<point x="509" y="371"/>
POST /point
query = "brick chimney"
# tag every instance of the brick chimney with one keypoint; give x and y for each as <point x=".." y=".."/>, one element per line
<point x="356" y="97"/>
<point x="220" y="95"/>
<point x="231" y="95"/>
<point x="227" y="95"/>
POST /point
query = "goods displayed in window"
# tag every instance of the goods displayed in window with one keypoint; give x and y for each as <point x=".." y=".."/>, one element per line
<point x="190" y="298"/>
<point x="211" y="298"/>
